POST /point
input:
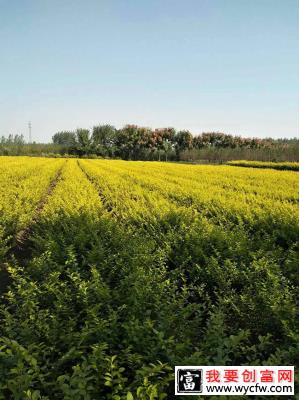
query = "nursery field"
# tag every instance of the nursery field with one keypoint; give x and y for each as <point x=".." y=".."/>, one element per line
<point x="113" y="272"/>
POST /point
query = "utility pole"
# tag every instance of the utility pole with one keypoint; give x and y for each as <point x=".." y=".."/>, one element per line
<point x="29" y="126"/>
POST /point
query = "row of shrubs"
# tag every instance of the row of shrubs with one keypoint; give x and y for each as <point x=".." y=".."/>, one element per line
<point x="291" y="166"/>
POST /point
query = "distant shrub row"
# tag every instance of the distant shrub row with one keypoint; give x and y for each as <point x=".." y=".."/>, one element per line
<point x="291" y="166"/>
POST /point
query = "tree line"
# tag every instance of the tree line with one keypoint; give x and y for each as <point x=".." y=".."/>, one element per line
<point x="133" y="142"/>
<point x="141" y="143"/>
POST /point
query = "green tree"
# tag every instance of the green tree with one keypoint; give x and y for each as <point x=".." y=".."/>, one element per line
<point x="103" y="139"/>
<point x="65" y="138"/>
<point x="167" y="147"/>
<point x="83" y="145"/>
<point x="135" y="142"/>
<point x="183" y="141"/>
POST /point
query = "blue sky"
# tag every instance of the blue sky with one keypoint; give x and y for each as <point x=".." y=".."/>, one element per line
<point x="225" y="65"/>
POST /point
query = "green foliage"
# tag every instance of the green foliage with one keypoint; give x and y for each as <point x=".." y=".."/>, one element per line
<point x="183" y="141"/>
<point x="65" y="138"/>
<point x="104" y="140"/>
